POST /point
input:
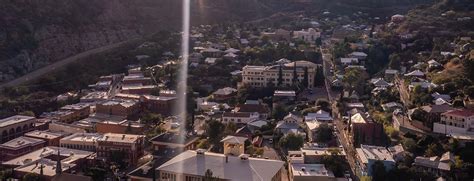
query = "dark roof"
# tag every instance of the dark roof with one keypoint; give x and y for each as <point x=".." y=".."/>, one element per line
<point x="437" y="108"/>
<point x="236" y="114"/>
<point x="244" y="130"/>
<point x="173" y="138"/>
<point x="260" y="108"/>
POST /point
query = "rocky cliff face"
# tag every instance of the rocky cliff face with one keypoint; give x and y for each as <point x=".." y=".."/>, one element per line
<point x="35" y="33"/>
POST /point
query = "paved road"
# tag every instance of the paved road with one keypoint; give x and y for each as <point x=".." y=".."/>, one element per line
<point x="342" y="135"/>
<point x="61" y="63"/>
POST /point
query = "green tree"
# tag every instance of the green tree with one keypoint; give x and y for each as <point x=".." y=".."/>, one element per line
<point x="324" y="105"/>
<point x="214" y="131"/>
<point x="209" y="176"/>
<point x="319" y="76"/>
<point x="323" y="133"/>
<point x="378" y="171"/>
<point x="432" y="150"/>
<point x="203" y="144"/>
<point x="280" y="76"/>
<point x="354" y="79"/>
<point x="31" y="177"/>
<point x="395" y="61"/>
<point x="96" y="173"/>
<point x="279" y="112"/>
<point x="292" y="141"/>
<point x="335" y="163"/>
<point x="306" y="77"/>
<point x="230" y="128"/>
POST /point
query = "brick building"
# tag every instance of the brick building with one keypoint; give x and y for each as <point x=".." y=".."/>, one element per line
<point x="365" y="131"/>
<point x="15" y="126"/>
<point x="122" y="127"/>
<point x="19" y="146"/>
<point x="129" y="145"/>
<point x="159" y="104"/>
<point x="51" y="138"/>
<point x="118" y="107"/>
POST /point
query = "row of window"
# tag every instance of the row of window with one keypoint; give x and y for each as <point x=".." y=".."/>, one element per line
<point x="168" y="176"/>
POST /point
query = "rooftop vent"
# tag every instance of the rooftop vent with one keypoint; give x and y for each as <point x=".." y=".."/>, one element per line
<point x="303" y="169"/>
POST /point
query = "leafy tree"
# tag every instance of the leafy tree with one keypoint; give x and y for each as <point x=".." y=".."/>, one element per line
<point x="323" y="105"/>
<point x="230" y="128"/>
<point x="208" y="176"/>
<point x="280" y="76"/>
<point x="118" y="157"/>
<point x="292" y="141"/>
<point x="96" y="173"/>
<point x="295" y="74"/>
<point x="378" y="171"/>
<point x="279" y="112"/>
<point x="395" y="61"/>
<point x="324" y="133"/>
<point x="354" y="79"/>
<point x="203" y="144"/>
<point x="27" y="113"/>
<point x="305" y="78"/>
<point x="31" y="177"/>
<point x="433" y="150"/>
<point x="214" y="131"/>
<point x="335" y="163"/>
<point x="341" y="49"/>
<point x="319" y="77"/>
<point x="151" y="118"/>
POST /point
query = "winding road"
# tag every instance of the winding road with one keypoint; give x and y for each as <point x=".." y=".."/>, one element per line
<point x="61" y="63"/>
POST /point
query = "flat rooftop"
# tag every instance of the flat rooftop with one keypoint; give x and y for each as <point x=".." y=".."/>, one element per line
<point x="14" y="120"/>
<point x="84" y="137"/>
<point x="70" y="155"/>
<point x="163" y="98"/>
<point x="367" y="152"/>
<point x="49" y="167"/>
<point x="310" y="170"/>
<point x="122" y="138"/>
<point x="45" y="134"/>
<point x="77" y="106"/>
<point x="21" y="142"/>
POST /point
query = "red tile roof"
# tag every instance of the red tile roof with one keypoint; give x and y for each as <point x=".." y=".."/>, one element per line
<point x="460" y="112"/>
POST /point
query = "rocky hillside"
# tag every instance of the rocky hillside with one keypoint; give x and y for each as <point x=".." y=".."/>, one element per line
<point x="35" y="33"/>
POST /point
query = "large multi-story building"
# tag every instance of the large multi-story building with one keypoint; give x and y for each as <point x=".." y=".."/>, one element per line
<point x="15" y="126"/>
<point x="81" y="141"/>
<point x="129" y="145"/>
<point x="19" y="146"/>
<point x="364" y="130"/>
<point x="459" y="121"/>
<point x="118" y="107"/>
<point x="159" y="104"/>
<point x="263" y="76"/>
<point x="51" y="138"/>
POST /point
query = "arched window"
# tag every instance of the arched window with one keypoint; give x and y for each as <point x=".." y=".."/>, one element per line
<point x="12" y="132"/>
<point x="18" y="129"/>
<point x="25" y="127"/>
<point x="4" y="134"/>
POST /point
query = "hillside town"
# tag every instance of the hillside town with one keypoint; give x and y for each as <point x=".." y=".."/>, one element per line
<point x="314" y="97"/>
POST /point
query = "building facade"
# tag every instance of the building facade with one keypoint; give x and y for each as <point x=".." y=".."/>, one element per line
<point x="263" y="76"/>
<point x="15" y="126"/>
<point x="131" y="146"/>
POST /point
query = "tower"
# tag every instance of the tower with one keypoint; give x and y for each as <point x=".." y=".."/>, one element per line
<point x="58" y="164"/>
